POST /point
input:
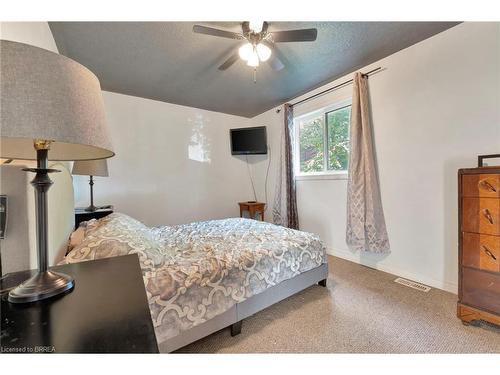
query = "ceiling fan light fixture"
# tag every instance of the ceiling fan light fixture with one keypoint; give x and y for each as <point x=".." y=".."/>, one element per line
<point x="263" y="51"/>
<point x="259" y="43"/>
<point x="255" y="26"/>
<point x="253" y="61"/>
<point x="246" y="51"/>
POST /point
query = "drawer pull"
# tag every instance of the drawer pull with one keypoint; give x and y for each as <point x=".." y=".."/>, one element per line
<point x="488" y="186"/>
<point x="489" y="253"/>
<point x="487" y="215"/>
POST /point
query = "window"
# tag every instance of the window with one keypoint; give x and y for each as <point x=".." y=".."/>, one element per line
<point x="322" y="141"/>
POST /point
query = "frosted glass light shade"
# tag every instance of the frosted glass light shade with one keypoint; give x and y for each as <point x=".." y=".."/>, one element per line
<point x="47" y="96"/>
<point x="263" y="51"/>
<point x="255" y="26"/>
<point x="245" y="51"/>
<point x="253" y="60"/>
<point x="91" y="168"/>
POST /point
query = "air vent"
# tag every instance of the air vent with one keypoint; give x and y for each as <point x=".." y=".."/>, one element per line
<point x="412" y="284"/>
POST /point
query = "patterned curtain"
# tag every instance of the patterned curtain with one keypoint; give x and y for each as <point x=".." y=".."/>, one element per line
<point x="365" y="217"/>
<point x="285" y="200"/>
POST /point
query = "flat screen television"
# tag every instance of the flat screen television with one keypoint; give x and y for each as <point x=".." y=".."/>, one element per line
<point x="246" y="141"/>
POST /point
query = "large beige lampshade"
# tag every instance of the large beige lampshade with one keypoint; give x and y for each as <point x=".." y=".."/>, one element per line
<point x="47" y="96"/>
<point x="91" y="168"/>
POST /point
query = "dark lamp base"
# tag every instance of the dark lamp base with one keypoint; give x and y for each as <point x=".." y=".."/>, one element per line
<point x="91" y="208"/>
<point x="41" y="286"/>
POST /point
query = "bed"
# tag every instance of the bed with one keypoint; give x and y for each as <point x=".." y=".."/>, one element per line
<point x="205" y="276"/>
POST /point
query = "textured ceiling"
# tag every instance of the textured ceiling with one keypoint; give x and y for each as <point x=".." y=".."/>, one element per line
<point x="166" y="61"/>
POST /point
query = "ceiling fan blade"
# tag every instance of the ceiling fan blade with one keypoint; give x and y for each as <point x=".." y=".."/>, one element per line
<point x="274" y="61"/>
<point x="302" y="35"/>
<point x="230" y="61"/>
<point x="216" y="32"/>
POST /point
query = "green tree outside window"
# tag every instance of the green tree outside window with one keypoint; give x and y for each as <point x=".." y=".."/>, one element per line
<point x="312" y="135"/>
<point x="338" y="138"/>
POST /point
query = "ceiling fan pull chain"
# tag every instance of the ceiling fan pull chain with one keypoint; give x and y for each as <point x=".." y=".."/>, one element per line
<point x="255" y="75"/>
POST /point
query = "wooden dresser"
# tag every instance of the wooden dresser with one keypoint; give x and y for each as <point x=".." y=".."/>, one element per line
<point x="479" y="244"/>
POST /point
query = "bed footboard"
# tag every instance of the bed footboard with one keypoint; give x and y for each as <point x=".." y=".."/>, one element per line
<point x="281" y="291"/>
<point x="234" y="317"/>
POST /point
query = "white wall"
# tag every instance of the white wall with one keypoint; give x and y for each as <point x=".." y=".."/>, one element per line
<point x="34" y="33"/>
<point x="435" y="108"/>
<point x="173" y="163"/>
<point x="19" y="246"/>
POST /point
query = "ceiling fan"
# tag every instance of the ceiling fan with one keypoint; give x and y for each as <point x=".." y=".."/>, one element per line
<point x="260" y="43"/>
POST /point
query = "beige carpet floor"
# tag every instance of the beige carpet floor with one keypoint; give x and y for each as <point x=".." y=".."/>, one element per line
<point x="361" y="311"/>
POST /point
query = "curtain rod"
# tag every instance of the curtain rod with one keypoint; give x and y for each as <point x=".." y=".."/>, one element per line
<point x="334" y="87"/>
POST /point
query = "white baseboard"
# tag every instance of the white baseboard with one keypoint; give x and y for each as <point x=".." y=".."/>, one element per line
<point x="354" y="257"/>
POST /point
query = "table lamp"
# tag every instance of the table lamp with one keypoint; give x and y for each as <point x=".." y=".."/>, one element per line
<point x="91" y="168"/>
<point x="50" y="108"/>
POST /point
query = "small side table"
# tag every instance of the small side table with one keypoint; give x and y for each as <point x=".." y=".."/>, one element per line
<point x="252" y="208"/>
<point x="82" y="215"/>
<point x="106" y="312"/>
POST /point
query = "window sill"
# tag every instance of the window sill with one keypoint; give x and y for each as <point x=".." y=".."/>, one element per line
<point x="322" y="176"/>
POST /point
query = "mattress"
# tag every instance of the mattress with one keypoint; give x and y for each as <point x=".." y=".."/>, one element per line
<point x="197" y="271"/>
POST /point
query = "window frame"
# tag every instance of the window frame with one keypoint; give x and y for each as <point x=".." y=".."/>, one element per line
<point x="326" y="174"/>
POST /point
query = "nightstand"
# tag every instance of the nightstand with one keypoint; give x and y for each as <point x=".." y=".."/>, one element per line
<point x="82" y="215"/>
<point x="106" y="312"/>
<point x="253" y="208"/>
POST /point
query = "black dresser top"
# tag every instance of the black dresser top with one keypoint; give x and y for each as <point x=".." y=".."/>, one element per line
<point x="106" y="312"/>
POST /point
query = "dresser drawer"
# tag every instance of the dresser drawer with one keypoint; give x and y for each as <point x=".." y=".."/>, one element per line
<point x="481" y="251"/>
<point x="481" y="185"/>
<point x="481" y="215"/>
<point x="481" y="289"/>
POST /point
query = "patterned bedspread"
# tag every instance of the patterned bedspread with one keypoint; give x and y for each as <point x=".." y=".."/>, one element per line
<point x="196" y="271"/>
